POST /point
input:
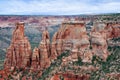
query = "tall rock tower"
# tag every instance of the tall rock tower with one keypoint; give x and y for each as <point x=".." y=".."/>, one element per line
<point x="19" y="52"/>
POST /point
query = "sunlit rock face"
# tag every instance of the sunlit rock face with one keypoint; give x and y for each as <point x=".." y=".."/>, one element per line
<point x="71" y="36"/>
<point x="100" y="36"/>
<point x="99" y="44"/>
<point x="41" y="55"/>
<point x="19" y="52"/>
<point x="99" y="41"/>
<point x="44" y="48"/>
<point x="35" y="64"/>
<point x="112" y="30"/>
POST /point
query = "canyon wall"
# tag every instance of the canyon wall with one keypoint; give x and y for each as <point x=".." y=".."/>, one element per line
<point x="70" y="36"/>
<point x="19" y="52"/>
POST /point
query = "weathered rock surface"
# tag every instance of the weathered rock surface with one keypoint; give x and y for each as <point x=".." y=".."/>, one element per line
<point x="35" y="64"/>
<point x="113" y="30"/>
<point x="44" y="48"/>
<point x="100" y="36"/>
<point x="40" y="56"/>
<point x="99" y="42"/>
<point x="19" y="51"/>
<point x="71" y="36"/>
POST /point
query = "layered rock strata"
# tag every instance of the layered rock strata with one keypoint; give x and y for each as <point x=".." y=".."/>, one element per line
<point x="44" y="48"/>
<point x="72" y="36"/>
<point x="41" y="55"/>
<point x="19" y="52"/>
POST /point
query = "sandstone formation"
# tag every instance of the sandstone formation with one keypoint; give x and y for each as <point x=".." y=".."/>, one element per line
<point x="19" y="52"/>
<point x="99" y="42"/>
<point x="100" y="36"/>
<point x="113" y="30"/>
<point x="72" y="36"/>
<point x="41" y="55"/>
<point x="35" y="59"/>
<point x="44" y="48"/>
<point x="53" y="47"/>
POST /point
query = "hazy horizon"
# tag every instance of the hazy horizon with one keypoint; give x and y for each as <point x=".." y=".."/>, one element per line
<point x="58" y="7"/>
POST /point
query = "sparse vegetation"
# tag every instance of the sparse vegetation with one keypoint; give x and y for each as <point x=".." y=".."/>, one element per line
<point x="111" y="65"/>
<point x="53" y="65"/>
<point x="2" y="57"/>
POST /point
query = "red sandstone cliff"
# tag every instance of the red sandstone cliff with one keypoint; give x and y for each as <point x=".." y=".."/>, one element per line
<point x="99" y="42"/>
<point x="19" y="52"/>
<point x="45" y="50"/>
<point x="113" y="30"/>
<point x="40" y="56"/>
<point x="35" y="64"/>
<point x="72" y="36"/>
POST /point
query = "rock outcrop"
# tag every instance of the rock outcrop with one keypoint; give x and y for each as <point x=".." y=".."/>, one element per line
<point x="35" y="64"/>
<point x="41" y="55"/>
<point x="44" y="48"/>
<point x="71" y="36"/>
<point x="19" y="52"/>
<point x="101" y="35"/>
<point x="99" y="44"/>
<point x="113" y="30"/>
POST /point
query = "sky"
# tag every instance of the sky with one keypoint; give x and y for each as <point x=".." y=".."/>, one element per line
<point x="58" y="7"/>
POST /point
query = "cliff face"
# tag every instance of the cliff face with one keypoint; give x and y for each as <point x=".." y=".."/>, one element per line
<point x="70" y="36"/>
<point x="45" y="50"/>
<point x="113" y="30"/>
<point x="100" y="36"/>
<point x="19" y="52"/>
<point x="41" y="55"/>
<point x="35" y="64"/>
<point x="99" y="41"/>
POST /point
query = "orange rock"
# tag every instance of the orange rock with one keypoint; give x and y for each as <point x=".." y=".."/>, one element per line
<point x="55" y="77"/>
<point x="70" y="36"/>
<point x="35" y="59"/>
<point x="113" y="30"/>
<point x="19" y="52"/>
<point x="99" y="42"/>
<point x="44" y="48"/>
<point x="53" y="47"/>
